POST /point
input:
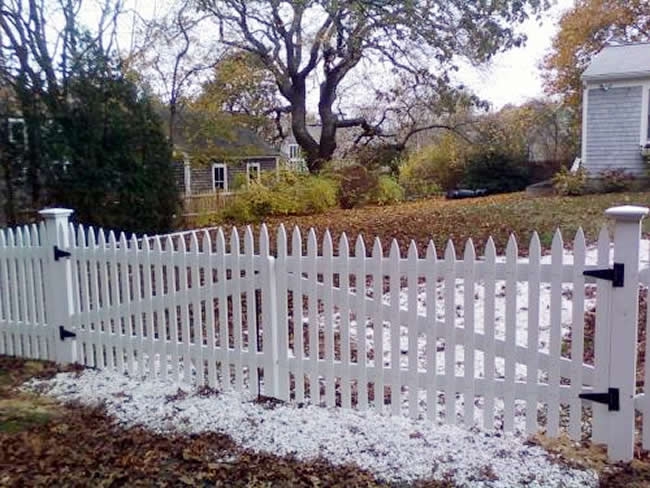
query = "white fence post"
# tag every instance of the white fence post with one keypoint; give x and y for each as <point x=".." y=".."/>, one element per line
<point x="58" y="282"/>
<point x="623" y="329"/>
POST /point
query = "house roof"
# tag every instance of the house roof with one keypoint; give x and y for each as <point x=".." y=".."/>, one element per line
<point x="229" y="140"/>
<point x="619" y="62"/>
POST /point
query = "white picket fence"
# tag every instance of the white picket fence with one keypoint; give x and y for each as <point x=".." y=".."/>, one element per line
<point x="472" y="340"/>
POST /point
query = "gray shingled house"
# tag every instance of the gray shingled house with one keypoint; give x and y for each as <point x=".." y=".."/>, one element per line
<point x="239" y="152"/>
<point x="615" y="109"/>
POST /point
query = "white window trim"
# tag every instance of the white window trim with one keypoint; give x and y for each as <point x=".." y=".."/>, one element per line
<point x="16" y="120"/>
<point x="645" y="100"/>
<point x="225" y="176"/>
<point x="297" y="148"/>
<point x="250" y="166"/>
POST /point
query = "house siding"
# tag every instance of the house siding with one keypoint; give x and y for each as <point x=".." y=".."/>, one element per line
<point x="613" y="129"/>
<point x="201" y="176"/>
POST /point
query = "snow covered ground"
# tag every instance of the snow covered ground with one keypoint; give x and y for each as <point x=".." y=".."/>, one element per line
<point x="395" y="449"/>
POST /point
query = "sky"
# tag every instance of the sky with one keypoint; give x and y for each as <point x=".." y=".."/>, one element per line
<point x="514" y="77"/>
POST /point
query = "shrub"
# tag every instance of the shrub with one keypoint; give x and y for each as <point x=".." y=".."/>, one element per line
<point x="237" y="210"/>
<point x="356" y="184"/>
<point x="387" y="191"/>
<point x="316" y="194"/>
<point x="239" y="182"/>
<point x="496" y="170"/>
<point x="570" y="184"/>
<point x="285" y="193"/>
<point x="614" y="180"/>
<point x="437" y="167"/>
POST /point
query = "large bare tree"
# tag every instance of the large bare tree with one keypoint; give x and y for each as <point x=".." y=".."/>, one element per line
<point x="300" y="41"/>
<point x="173" y="55"/>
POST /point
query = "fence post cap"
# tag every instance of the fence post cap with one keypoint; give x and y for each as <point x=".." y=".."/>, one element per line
<point x="627" y="212"/>
<point x="54" y="213"/>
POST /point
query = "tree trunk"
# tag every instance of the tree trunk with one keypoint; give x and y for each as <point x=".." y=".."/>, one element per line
<point x="299" y="126"/>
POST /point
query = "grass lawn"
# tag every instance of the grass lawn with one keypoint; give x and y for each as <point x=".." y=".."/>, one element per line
<point x="499" y="216"/>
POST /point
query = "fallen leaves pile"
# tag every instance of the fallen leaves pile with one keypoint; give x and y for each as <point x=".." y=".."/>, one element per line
<point x="75" y="445"/>
<point x="477" y="218"/>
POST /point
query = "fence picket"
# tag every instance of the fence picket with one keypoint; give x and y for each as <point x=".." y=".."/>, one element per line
<point x="489" y="286"/>
<point x="22" y="333"/>
<point x="85" y="303"/>
<point x="577" y="335"/>
<point x="162" y="313"/>
<point x="601" y="342"/>
<point x="222" y="301"/>
<point x="207" y="295"/>
<point x="469" y="390"/>
<point x="270" y="323"/>
<point x="362" y="354"/>
<point x="197" y="321"/>
<point x="312" y="302"/>
<point x="30" y="311"/>
<point x="298" y="324"/>
<point x="237" y="310"/>
<point x="173" y="277"/>
<point x="251" y="309"/>
<point x="431" y="332"/>
<point x="413" y="333"/>
<point x="553" y="398"/>
<point x="77" y="299"/>
<point x="13" y="293"/>
<point x="395" y="331"/>
<point x="282" y="314"/>
<point x="136" y="257"/>
<point x="4" y="293"/>
<point x="532" y="365"/>
<point x="510" y="361"/>
<point x="450" y="333"/>
<point x="328" y="311"/>
<point x="108" y="357"/>
<point x="40" y="293"/>
<point x="149" y="343"/>
<point x="183" y="300"/>
<point x="378" y="327"/>
<point x="344" y="276"/>
<point x="126" y="302"/>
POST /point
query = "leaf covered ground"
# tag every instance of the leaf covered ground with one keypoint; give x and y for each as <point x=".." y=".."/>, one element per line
<point x="478" y="218"/>
<point x="48" y="444"/>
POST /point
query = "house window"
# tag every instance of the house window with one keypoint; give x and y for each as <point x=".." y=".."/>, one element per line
<point x="253" y="171"/>
<point x="17" y="129"/>
<point x="294" y="151"/>
<point x="219" y="177"/>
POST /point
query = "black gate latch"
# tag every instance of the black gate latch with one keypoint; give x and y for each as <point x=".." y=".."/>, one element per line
<point x="611" y="398"/>
<point x="60" y="253"/>
<point x="616" y="274"/>
<point x="65" y="334"/>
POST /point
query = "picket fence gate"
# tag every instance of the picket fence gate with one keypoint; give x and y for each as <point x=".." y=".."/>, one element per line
<point x="298" y="320"/>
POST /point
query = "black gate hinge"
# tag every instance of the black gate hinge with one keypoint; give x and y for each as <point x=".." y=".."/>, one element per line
<point x="65" y="334"/>
<point x="60" y="253"/>
<point x="616" y="274"/>
<point x="611" y="398"/>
